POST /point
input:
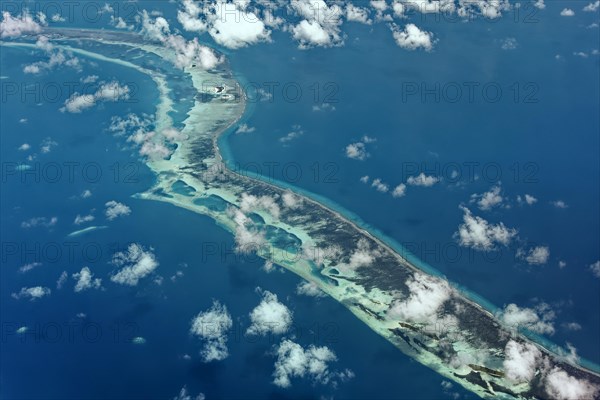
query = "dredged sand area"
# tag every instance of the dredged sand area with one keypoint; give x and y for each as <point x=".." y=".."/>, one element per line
<point x="452" y="334"/>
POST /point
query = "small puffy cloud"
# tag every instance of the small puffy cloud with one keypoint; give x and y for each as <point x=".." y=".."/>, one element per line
<point x="310" y="289"/>
<point x="83" y="219"/>
<point x="365" y="179"/>
<point x="561" y="386"/>
<point x="85" y="280"/>
<point x="426" y="297"/>
<point x="294" y="134"/>
<point x="412" y="38"/>
<point x="559" y="204"/>
<point x="380" y="186"/>
<point x="539" y="4"/>
<point x="13" y="27"/>
<point x="240" y="29"/>
<point x="86" y="194"/>
<point x="562" y="264"/>
<point x="184" y="395"/>
<point x="115" y="209"/>
<point x="47" y="145"/>
<point x="62" y="279"/>
<point x="356" y="151"/>
<point x="538" y="320"/>
<point x="291" y="201"/>
<point x="173" y="135"/>
<point x="107" y="92"/>
<point x="480" y="234"/>
<point x="567" y="12"/>
<point x="357" y="14"/>
<point x="592" y="7"/>
<point x="295" y="361"/>
<point x="270" y="316"/>
<point x="488" y="200"/>
<point x="244" y="128"/>
<point x="399" y="191"/>
<point x="135" y="263"/>
<point x="247" y="237"/>
<point x="33" y="293"/>
<point x="521" y="361"/>
<point x="250" y="203"/>
<point x="24" y="147"/>
<point x="538" y="255"/>
<point x="320" y="25"/>
<point x="39" y="221"/>
<point x="509" y="43"/>
<point x="422" y="180"/>
<point x="212" y="326"/>
<point x="572" y="326"/>
<point x="530" y="200"/>
<point x="28" y="267"/>
<point x="595" y="268"/>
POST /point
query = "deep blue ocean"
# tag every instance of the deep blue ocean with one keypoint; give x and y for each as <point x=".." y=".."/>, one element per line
<point x="545" y="143"/>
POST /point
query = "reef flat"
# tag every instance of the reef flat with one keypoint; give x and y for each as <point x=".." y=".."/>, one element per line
<point x="425" y="316"/>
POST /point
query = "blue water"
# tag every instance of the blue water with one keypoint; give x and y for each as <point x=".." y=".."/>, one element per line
<point x="558" y="134"/>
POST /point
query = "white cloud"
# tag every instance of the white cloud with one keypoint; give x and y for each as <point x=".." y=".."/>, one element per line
<point x="539" y="320"/>
<point x="29" y="267"/>
<point x="135" y="264"/>
<point x="311" y="289"/>
<point x="236" y="29"/>
<point x="33" y="293"/>
<point x="412" y="38"/>
<point x="108" y="92"/>
<point x="24" y="147"/>
<point x="399" y="191"/>
<point x="488" y="200"/>
<point x="380" y="186"/>
<point x="539" y="4"/>
<point x="559" y="204"/>
<point x="572" y="326"/>
<point x="294" y="361"/>
<point x="521" y="360"/>
<point x="530" y="199"/>
<point x="509" y="43"/>
<point x="291" y="201"/>
<point x="62" y="279"/>
<point x="567" y="12"/>
<point x="247" y="237"/>
<point x="538" y="255"/>
<point x="83" y="219"/>
<point x="357" y="14"/>
<point x="47" y="145"/>
<point x="595" y="268"/>
<point x="479" y="234"/>
<point x="115" y="209"/>
<point x="244" y="128"/>
<point x="426" y="297"/>
<point x="356" y="151"/>
<point x="562" y="386"/>
<point x="422" y="180"/>
<point x="562" y="264"/>
<point x="270" y="316"/>
<point x="39" y="221"/>
<point x="173" y="135"/>
<point x="187" y="53"/>
<point x="294" y="134"/>
<point x="86" y="194"/>
<point x="212" y="327"/>
<point x="592" y="7"/>
<point x="250" y="203"/>
<point x="365" y="179"/>
<point x="12" y="27"/>
<point x="85" y="280"/>
<point x="56" y="58"/>
<point x="184" y="395"/>
<point x="320" y="26"/>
